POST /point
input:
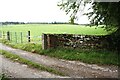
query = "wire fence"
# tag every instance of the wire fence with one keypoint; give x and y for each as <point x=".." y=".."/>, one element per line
<point x="20" y="37"/>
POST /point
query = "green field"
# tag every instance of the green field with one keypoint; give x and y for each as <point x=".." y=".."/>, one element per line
<point x="37" y="29"/>
<point x="90" y="56"/>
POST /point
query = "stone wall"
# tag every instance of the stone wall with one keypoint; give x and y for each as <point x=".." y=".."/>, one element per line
<point x="75" y="41"/>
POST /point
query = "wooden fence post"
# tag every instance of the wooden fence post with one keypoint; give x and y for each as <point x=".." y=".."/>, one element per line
<point x="44" y="41"/>
<point x="8" y="35"/>
<point x="28" y="36"/>
<point x="3" y="35"/>
<point x="0" y="34"/>
<point x="21" y="37"/>
<point x="11" y="36"/>
<point x="16" y="37"/>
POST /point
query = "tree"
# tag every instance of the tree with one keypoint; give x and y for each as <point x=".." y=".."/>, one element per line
<point x="107" y="13"/>
<point x="72" y="19"/>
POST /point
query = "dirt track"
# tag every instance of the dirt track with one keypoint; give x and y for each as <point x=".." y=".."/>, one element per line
<point x="70" y="68"/>
<point x="17" y="70"/>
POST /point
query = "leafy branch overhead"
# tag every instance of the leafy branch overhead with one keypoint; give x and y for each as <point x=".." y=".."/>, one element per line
<point x="101" y="13"/>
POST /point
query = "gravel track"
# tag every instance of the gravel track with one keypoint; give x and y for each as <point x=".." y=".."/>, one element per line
<point x="17" y="70"/>
<point x="75" y="69"/>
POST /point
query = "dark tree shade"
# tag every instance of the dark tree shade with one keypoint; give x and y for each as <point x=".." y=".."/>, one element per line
<point x="107" y="13"/>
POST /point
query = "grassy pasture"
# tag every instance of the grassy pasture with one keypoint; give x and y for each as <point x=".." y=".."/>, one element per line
<point x="90" y="56"/>
<point x="38" y="29"/>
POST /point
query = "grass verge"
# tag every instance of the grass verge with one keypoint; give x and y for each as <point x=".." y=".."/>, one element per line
<point x="3" y="77"/>
<point x="16" y="58"/>
<point x="92" y="56"/>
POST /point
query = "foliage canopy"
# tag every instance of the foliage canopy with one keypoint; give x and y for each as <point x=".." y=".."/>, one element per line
<point x="106" y="13"/>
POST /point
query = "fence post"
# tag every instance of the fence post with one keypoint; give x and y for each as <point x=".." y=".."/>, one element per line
<point x="44" y="41"/>
<point x="21" y="37"/>
<point x="8" y="35"/>
<point x="0" y="34"/>
<point x="16" y="37"/>
<point x="3" y="35"/>
<point x="11" y="36"/>
<point x="28" y="36"/>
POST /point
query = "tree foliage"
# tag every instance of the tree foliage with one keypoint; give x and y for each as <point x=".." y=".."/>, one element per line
<point x="107" y="13"/>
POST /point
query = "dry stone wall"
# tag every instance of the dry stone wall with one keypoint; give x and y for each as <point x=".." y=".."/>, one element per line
<point x="74" y="41"/>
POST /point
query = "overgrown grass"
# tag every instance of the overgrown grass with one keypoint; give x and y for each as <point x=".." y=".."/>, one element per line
<point x="17" y="58"/>
<point x="101" y="57"/>
<point x="3" y="77"/>
<point x="92" y="56"/>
